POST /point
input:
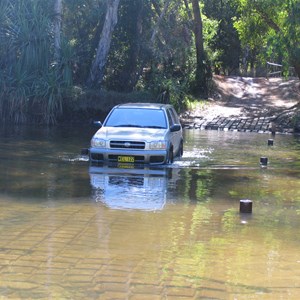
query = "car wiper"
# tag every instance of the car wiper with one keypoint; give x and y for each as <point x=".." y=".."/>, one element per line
<point x="158" y="127"/>
<point x="128" y="125"/>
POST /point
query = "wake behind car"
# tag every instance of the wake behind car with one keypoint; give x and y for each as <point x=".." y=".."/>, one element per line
<point x="138" y="133"/>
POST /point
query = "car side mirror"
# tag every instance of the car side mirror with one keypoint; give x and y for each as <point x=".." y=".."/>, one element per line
<point x="97" y="124"/>
<point x="175" y="127"/>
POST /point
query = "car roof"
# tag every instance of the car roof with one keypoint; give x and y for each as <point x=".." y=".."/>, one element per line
<point x="144" y="105"/>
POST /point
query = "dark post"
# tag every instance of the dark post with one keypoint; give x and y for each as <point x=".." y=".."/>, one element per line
<point x="263" y="161"/>
<point x="246" y="206"/>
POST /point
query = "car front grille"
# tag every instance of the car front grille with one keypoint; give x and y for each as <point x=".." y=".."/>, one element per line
<point x="157" y="159"/>
<point x="96" y="156"/>
<point x="127" y="145"/>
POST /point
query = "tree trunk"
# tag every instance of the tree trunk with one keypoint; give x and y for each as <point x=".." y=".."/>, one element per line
<point x="111" y="19"/>
<point x="161" y="15"/>
<point x="57" y="29"/>
<point x="201" y="83"/>
<point x="130" y="72"/>
<point x="297" y="68"/>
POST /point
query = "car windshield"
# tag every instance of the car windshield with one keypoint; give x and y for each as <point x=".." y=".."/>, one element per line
<point x="137" y="117"/>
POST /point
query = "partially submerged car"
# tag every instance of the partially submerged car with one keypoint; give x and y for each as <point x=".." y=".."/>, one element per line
<point x="138" y="133"/>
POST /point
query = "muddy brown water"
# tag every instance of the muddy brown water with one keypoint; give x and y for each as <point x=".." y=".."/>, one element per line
<point x="74" y="231"/>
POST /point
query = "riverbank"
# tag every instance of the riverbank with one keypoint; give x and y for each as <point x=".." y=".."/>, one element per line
<point x="248" y="104"/>
<point x="236" y="104"/>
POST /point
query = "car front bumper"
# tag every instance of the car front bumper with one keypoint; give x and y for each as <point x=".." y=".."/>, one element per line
<point x="152" y="157"/>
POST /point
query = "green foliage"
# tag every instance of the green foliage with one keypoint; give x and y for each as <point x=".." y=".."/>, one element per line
<point x="14" y="95"/>
<point x="28" y="38"/>
<point x="169" y="86"/>
<point x="153" y="49"/>
<point x="224" y="50"/>
<point x="192" y="103"/>
<point x="47" y="100"/>
<point x="128" y="50"/>
<point x="272" y="27"/>
<point x="83" y="21"/>
<point x="31" y="83"/>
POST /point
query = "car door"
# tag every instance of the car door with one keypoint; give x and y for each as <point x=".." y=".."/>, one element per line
<point x="176" y="136"/>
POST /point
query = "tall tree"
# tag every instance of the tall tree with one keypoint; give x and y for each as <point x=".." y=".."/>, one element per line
<point x="171" y="64"/>
<point x="57" y="29"/>
<point x="201" y="72"/>
<point x="161" y="15"/>
<point x="111" y="19"/>
<point x="126" y="57"/>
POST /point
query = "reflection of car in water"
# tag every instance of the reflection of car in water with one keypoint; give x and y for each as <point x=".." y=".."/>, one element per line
<point x="142" y="189"/>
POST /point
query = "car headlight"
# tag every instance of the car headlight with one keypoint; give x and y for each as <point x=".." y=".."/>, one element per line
<point x="158" y="145"/>
<point x="98" y="143"/>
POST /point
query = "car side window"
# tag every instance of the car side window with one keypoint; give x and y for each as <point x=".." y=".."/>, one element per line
<point x="170" y="119"/>
<point x="174" y="116"/>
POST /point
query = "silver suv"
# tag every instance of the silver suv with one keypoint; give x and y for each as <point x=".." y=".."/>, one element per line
<point x="139" y="133"/>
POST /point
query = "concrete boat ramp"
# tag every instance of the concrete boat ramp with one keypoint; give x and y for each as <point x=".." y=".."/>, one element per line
<point x="242" y="124"/>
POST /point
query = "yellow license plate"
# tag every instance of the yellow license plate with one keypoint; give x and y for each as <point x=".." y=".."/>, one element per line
<point x="126" y="159"/>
